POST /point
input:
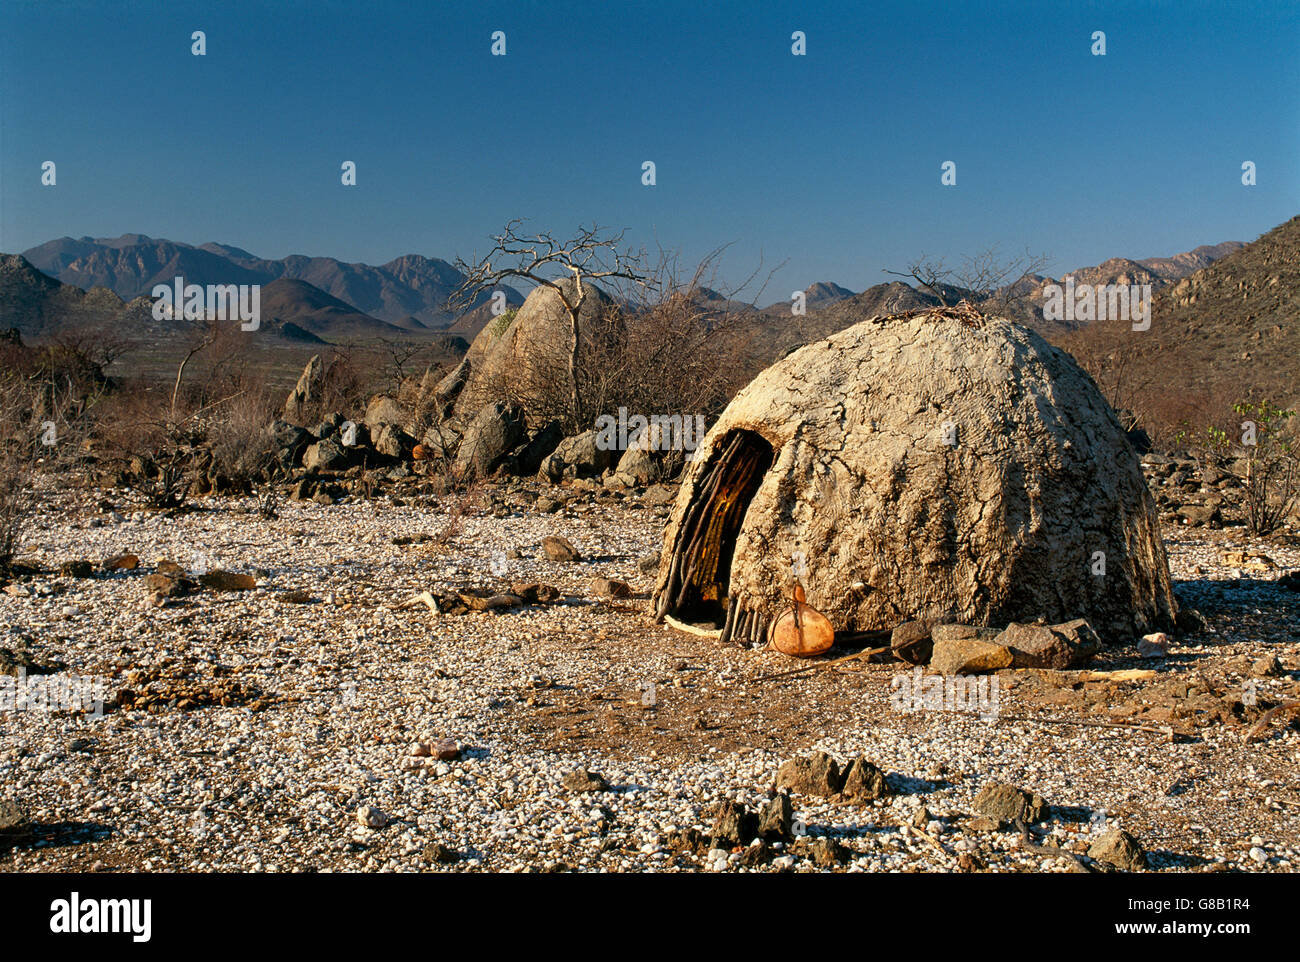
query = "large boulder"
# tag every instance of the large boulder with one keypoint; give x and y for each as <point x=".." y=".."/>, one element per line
<point x="579" y="456"/>
<point x="495" y="431"/>
<point x="297" y="407"/>
<point x="391" y="441"/>
<point x="383" y="410"/>
<point x="288" y="442"/>
<point x="940" y="466"/>
<point x="527" y="460"/>
<point x="327" y="455"/>
<point x="524" y="355"/>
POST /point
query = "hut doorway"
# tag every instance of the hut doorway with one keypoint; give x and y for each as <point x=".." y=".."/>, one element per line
<point x="700" y="572"/>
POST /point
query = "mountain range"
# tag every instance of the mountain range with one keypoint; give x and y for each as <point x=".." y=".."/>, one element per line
<point x="1223" y="316"/>
<point x="409" y="292"/>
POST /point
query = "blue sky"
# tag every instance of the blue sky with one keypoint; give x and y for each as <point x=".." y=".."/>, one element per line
<point x="829" y="162"/>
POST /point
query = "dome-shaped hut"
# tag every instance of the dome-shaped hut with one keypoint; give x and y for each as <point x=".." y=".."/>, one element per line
<point x="928" y="466"/>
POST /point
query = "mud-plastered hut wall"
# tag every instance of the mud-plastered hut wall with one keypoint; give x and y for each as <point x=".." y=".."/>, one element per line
<point x="932" y="466"/>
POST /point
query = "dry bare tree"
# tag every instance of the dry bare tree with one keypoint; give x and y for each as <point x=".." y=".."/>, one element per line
<point x="590" y="255"/>
<point x="992" y="283"/>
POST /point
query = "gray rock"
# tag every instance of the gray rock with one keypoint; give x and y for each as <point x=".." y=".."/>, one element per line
<point x="1268" y="666"/>
<point x="327" y="455"/>
<point x="289" y="442"/>
<point x="824" y="852"/>
<point x="609" y="588"/>
<point x="391" y="441"/>
<point x="659" y="494"/>
<point x="443" y="854"/>
<point x="757" y="855"/>
<point x="578" y="456"/>
<point x="495" y="431"/>
<point x="306" y="392"/>
<point x="582" y="780"/>
<point x="962" y="633"/>
<point x="527" y="461"/>
<point x="969" y="656"/>
<point x="13" y="821"/>
<point x="1191" y="622"/>
<point x="383" y="410"/>
<point x="1050" y="646"/>
<point x="527" y="356"/>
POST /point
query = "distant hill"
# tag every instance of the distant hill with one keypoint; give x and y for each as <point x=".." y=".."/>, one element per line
<point x="38" y="305"/>
<point x="1226" y="332"/>
<point x="131" y="265"/>
<point x="1180" y="265"/>
<point x="817" y="295"/>
<point x="310" y="309"/>
<point x="1022" y="301"/>
<point x="406" y="288"/>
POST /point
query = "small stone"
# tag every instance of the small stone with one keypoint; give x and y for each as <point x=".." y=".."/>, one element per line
<point x="1269" y="666"/>
<point x="757" y="854"/>
<point x="969" y="656"/>
<point x="582" y="780"/>
<point x="1155" y="645"/>
<point x="437" y="852"/>
<point x="609" y="588"/>
<point x="1050" y="646"/>
<point x="444" y="749"/>
<point x="775" y="819"/>
<point x="734" y="825"/>
<point x="824" y="852"/>
<point x="1190" y="621"/>
<point x="1006" y="803"/>
<point x="371" y="817"/>
<point x="227" y="581"/>
<point x="13" y="822"/>
<point x="533" y="593"/>
<point x="1257" y="854"/>
<point x="560" y="549"/>
<point x="1119" y="849"/>
<point x="910" y="642"/>
<point x="863" y="781"/>
<point x="815" y="774"/>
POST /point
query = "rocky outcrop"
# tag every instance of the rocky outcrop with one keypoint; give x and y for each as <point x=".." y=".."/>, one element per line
<point x="495" y="431"/>
<point x="524" y="356"/>
<point x="576" y="457"/>
<point x="307" y="390"/>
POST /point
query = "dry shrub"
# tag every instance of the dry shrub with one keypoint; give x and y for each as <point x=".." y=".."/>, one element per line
<point x="46" y="395"/>
<point x="663" y="347"/>
<point x="236" y="431"/>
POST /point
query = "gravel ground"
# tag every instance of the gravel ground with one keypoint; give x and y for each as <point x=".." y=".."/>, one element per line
<point x="330" y="682"/>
